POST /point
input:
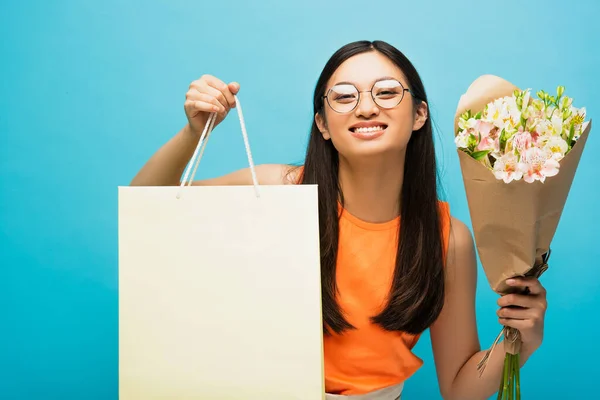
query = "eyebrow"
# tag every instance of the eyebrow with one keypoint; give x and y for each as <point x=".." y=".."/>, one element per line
<point x="383" y="78"/>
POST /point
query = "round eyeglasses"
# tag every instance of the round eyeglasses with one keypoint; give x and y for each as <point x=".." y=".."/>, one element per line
<point x="344" y="97"/>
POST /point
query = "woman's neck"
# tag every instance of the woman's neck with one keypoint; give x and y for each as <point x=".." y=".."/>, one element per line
<point x="372" y="188"/>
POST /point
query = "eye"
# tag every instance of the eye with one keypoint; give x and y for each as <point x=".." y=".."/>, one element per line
<point x="387" y="94"/>
<point x="343" y="93"/>
<point x="388" y="88"/>
<point x="344" y="98"/>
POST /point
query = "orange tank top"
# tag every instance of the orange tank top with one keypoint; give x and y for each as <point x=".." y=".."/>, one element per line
<point x="369" y="358"/>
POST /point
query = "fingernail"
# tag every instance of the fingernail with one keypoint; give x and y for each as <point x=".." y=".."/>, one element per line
<point x="511" y="281"/>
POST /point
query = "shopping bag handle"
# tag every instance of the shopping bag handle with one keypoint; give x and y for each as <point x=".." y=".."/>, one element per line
<point x="195" y="160"/>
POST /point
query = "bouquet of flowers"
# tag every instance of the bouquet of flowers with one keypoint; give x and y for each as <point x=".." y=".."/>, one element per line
<point x="518" y="156"/>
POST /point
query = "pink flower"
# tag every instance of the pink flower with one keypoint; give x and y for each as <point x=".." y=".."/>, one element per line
<point x="507" y="168"/>
<point x="488" y="133"/>
<point x="538" y="164"/>
<point x="484" y="127"/>
<point x="522" y="141"/>
<point x="486" y="143"/>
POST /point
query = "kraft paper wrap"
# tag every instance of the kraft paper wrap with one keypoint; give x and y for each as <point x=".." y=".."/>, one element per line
<point x="513" y="224"/>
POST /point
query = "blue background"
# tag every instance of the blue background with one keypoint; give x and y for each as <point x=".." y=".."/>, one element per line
<point x="91" y="89"/>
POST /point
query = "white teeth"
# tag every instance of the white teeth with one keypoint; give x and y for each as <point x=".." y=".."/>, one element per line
<point x="370" y="129"/>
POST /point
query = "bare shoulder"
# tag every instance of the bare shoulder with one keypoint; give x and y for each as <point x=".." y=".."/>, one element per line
<point x="460" y="234"/>
<point x="461" y="249"/>
<point x="266" y="174"/>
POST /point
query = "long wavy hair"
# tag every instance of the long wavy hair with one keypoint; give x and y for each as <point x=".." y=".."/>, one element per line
<point x="417" y="293"/>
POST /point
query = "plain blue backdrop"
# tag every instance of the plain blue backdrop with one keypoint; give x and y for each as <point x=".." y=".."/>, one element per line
<point x="89" y="90"/>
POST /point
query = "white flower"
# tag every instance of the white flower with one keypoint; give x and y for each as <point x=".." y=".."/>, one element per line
<point x="555" y="145"/>
<point x="543" y="127"/>
<point x="507" y="168"/>
<point x="462" y="140"/>
<point x="557" y="124"/>
<point x="537" y="164"/>
<point x="503" y="112"/>
<point x="467" y="124"/>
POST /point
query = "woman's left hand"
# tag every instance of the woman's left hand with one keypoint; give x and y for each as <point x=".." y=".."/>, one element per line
<point x="525" y="312"/>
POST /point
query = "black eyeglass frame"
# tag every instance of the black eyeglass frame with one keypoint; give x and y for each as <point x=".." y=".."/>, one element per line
<point x="326" y="97"/>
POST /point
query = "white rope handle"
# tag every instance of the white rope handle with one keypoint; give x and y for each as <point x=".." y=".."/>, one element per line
<point x="195" y="160"/>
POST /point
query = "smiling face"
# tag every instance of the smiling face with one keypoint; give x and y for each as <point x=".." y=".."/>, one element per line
<point x="371" y="127"/>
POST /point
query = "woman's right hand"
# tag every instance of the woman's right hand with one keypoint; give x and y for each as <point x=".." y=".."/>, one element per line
<point x="206" y="95"/>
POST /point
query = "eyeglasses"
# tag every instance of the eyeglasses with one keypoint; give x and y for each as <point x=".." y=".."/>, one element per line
<point x="344" y="97"/>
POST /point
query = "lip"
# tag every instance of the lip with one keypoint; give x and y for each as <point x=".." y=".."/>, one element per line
<point x="367" y="135"/>
<point x="368" y="124"/>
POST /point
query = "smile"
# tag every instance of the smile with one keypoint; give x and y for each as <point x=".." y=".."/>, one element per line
<point x="369" y="129"/>
<point x="370" y="132"/>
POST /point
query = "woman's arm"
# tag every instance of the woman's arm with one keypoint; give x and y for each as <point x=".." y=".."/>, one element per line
<point x="204" y="96"/>
<point x="166" y="166"/>
<point x="454" y="335"/>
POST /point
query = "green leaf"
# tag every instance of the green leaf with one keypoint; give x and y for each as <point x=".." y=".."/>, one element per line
<point x="571" y="133"/>
<point x="478" y="115"/>
<point x="472" y="142"/>
<point x="502" y="139"/>
<point x="479" y="155"/>
<point x="523" y="122"/>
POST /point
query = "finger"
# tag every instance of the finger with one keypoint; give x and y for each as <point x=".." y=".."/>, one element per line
<point x="203" y="87"/>
<point x="234" y="88"/>
<point x="205" y="98"/>
<point x="211" y="80"/>
<point x="531" y="283"/>
<point x="210" y="99"/>
<point x="518" y="324"/>
<point x="219" y="85"/>
<point x="221" y="96"/>
<point x="518" y="313"/>
<point x="194" y="107"/>
<point x="522" y="300"/>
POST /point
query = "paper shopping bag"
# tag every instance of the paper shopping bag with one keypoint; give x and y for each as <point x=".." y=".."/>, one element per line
<point x="220" y="293"/>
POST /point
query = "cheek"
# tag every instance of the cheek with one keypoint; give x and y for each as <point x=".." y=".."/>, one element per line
<point x="403" y="119"/>
<point x="337" y="125"/>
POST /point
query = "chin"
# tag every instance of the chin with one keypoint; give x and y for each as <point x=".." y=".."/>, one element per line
<point x="372" y="150"/>
<point x="377" y="144"/>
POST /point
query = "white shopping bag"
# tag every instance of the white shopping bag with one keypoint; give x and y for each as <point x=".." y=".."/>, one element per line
<point x="219" y="292"/>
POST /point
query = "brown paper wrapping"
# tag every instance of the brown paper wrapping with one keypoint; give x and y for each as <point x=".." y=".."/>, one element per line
<point x="514" y="223"/>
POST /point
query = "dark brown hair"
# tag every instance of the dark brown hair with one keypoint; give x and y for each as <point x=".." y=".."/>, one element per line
<point x="417" y="293"/>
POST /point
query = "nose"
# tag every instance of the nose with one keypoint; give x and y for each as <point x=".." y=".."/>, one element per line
<point x="366" y="106"/>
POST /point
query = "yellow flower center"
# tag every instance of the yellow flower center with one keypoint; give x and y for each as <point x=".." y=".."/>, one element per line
<point x="578" y="119"/>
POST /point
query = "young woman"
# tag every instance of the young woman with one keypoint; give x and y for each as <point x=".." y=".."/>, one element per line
<point x="394" y="262"/>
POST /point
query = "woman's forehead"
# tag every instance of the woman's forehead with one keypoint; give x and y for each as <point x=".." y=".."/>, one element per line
<point x="365" y="69"/>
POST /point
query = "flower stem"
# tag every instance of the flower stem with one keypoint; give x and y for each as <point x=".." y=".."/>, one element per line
<point x="518" y="376"/>
<point x="511" y="385"/>
<point x="500" y="391"/>
<point x="505" y="375"/>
